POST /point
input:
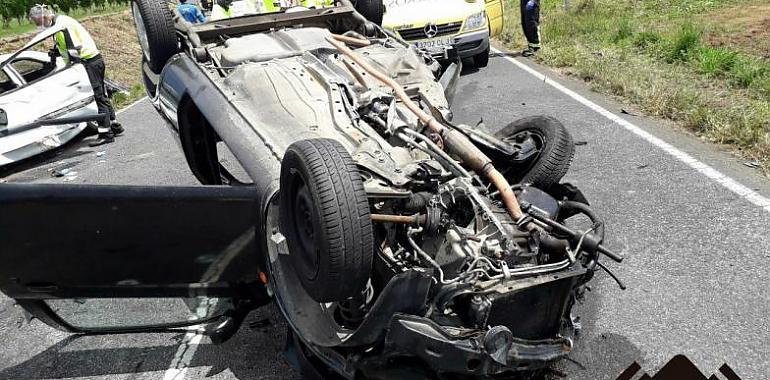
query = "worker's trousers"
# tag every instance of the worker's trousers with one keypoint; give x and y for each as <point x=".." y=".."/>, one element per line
<point x="95" y="69"/>
<point x="530" y="21"/>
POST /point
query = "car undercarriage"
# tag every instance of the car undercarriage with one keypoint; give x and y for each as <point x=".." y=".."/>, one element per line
<point x="395" y="242"/>
<point x="450" y="264"/>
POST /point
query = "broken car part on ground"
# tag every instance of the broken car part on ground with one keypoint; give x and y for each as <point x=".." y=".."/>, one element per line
<point x="394" y="241"/>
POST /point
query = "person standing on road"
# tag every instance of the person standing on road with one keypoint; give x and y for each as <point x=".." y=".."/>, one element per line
<point x="190" y="12"/>
<point x="92" y="60"/>
<point x="530" y="22"/>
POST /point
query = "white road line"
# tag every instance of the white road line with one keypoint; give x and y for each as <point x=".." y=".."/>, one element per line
<point x="131" y="105"/>
<point x="722" y="179"/>
<point x="177" y="370"/>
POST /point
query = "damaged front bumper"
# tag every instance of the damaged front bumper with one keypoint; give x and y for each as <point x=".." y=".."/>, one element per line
<point x="469" y="352"/>
<point x="526" y="316"/>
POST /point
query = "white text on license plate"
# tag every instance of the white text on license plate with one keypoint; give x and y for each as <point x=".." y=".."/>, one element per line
<point x="432" y="44"/>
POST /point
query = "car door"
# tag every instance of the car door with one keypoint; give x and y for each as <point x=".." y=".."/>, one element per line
<point x="48" y="92"/>
<point x="102" y="259"/>
<point x="495" y="14"/>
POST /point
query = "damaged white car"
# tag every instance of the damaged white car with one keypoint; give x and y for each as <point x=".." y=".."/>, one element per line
<point x="44" y="101"/>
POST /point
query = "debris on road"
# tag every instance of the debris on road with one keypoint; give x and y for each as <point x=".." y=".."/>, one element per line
<point x="752" y="164"/>
<point x="100" y="153"/>
<point x="623" y="111"/>
<point x="579" y="143"/>
<point x="60" y="172"/>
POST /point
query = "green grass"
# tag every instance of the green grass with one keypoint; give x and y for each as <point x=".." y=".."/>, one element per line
<point x="26" y="26"/>
<point x="135" y="93"/>
<point x="653" y="54"/>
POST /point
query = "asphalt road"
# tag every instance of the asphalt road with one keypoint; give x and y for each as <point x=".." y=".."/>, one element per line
<point x="695" y="251"/>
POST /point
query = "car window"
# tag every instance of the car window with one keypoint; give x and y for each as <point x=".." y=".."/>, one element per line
<point x="32" y="70"/>
<point x="35" y="63"/>
<point x="6" y="84"/>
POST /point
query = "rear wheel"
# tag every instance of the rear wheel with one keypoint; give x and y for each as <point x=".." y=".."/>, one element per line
<point x="155" y="29"/>
<point x="554" y="146"/>
<point x="325" y="218"/>
<point x="150" y="79"/>
<point x="372" y="10"/>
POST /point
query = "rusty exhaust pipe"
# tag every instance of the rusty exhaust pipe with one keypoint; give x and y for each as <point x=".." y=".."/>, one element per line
<point x="415" y="219"/>
<point x="455" y="142"/>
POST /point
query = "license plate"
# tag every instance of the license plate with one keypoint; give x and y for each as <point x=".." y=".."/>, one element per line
<point x="433" y="44"/>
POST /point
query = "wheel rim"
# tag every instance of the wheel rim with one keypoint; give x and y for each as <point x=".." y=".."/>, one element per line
<point x="141" y="32"/>
<point x="308" y="257"/>
<point x="317" y="323"/>
<point x="527" y="140"/>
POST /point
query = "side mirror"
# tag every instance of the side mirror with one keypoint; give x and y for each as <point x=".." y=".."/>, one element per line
<point x="74" y="55"/>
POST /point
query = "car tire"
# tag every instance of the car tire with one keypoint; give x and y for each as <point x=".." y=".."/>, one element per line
<point x="325" y="219"/>
<point x="555" y="145"/>
<point x="481" y="59"/>
<point x="154" y="23"/>
<point x="372" y="10"/>
<point x="150" y="79"/>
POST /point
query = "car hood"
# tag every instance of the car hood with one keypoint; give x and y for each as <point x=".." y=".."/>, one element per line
<point x="415" y="13"/>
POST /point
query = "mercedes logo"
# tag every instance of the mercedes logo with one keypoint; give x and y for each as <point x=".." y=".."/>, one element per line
<point x="431" y="30"/>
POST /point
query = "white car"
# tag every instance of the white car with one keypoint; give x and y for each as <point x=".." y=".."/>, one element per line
<point x="44" y="103"/>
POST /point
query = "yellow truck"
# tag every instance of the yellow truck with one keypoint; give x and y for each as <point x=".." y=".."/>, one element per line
<point x="441" y="26"/>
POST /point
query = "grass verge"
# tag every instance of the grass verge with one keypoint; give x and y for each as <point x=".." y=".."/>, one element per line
<point x="686" y="61"/>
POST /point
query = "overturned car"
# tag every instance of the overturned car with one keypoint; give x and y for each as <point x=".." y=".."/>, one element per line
<point x="394" y="241"/>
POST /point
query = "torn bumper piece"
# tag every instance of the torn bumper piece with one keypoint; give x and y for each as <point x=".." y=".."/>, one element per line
<point x="471" y="352"/>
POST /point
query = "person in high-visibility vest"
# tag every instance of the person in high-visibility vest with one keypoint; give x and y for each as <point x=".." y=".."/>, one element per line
<point x="91" y="58"/>
<point x="530" y="22"/>
<point x="221" y="10"/>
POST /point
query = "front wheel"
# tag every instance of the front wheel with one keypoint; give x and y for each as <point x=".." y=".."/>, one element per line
<point x="372" y="10"/>
<point x="553" y="148"/>
<point x="325" y="218"/>
<point x="155" y="28"/>
<point x="481" y="59"/>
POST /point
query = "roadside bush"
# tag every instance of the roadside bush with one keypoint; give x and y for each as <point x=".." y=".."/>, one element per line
<point x="646" y="38"/>
<point x="715" y="62"/>
<point x="684" y="44"/>
<point x="624" y="31"/>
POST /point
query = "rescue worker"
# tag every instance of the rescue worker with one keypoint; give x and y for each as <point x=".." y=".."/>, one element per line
<point x="221" y="9"/>
<point x="530" y="22"/>
<point x="92" y="60"/>
<point x="190" y="12"/>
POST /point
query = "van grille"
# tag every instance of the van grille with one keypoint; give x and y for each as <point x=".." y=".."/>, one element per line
<point x="419" y="33"/>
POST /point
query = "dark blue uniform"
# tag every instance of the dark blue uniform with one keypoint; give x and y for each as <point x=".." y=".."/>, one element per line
<point x="530" y="22"/>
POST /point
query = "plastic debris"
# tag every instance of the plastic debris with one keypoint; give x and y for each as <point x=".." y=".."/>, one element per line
<point x="752" y="164"/>
<point x="61" y="172"/>
<point x="100" y="153"/>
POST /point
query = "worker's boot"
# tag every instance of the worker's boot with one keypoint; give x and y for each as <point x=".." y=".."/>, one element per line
<point x="530" y="51"/>
<point x="117" y="128"/>
<point x="103" y="138"/>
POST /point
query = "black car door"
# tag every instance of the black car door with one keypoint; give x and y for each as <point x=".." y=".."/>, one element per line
<point x="96" y="259"/>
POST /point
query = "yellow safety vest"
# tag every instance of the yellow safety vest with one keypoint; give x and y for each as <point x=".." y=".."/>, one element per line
<point x="80" y="37"/>
<point x="220" y="13"/>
